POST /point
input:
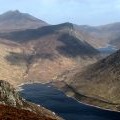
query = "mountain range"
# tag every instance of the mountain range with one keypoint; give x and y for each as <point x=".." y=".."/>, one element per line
<point x="101" y="36"/>
<point x="43" y="53"/>
<point x="32" y="50"/>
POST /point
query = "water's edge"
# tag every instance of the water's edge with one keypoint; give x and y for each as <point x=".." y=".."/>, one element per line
<point x="19" y="88"/>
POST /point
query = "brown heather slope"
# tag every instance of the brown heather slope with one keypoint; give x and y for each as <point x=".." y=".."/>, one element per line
<point x="45" y="53"/>
<point x="98" y="84"/>
<point x="8" y="71"/>
<point x="12" y="104"/>
<point x="15" y="20"/>
<point x="11" y="113"/>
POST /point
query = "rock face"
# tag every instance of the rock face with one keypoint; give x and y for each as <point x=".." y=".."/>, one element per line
<point x="17" y="107"/>
<point x="9" y="96"/>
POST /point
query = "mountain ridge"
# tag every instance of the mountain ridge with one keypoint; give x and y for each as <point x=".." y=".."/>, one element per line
<point x="97" y="36"/>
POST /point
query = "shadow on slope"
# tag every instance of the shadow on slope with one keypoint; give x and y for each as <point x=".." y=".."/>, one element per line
<point x="34" y="34"/>
<point x="21" y="58"/>
<point x="74" y="47"/>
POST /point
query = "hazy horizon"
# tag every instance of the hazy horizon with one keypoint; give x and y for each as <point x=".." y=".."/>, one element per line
<point x="81" y="12"/>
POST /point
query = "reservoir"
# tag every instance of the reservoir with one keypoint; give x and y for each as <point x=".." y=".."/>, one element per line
<point x="109" y="49"/>
<point x="64" y="106"/>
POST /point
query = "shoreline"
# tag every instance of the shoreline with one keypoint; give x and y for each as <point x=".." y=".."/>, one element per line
<point x="108" y="45"/>
<point x="19" y="88"/>
<point x="93" y="105"/>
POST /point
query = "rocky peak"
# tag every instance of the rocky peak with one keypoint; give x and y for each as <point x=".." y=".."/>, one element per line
<point x="66" y="25"/>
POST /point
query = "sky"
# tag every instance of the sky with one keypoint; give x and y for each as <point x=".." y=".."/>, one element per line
<point x="81" y="12"/>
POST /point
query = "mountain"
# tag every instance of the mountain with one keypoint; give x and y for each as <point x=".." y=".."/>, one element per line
<point x="15" y="20"/>
<point x="44" y="53"/>
<point x="101" y="36"/>
<point x="14" y="107"/>
<point x="64" y="33"/>
<point x="97" y="36"/>
<point x="98" y="84"/>
<point x="116" y="42"/>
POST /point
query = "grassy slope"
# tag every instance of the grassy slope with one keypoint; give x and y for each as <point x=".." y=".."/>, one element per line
<point x="99" y="81"/>
<point x="10" y="72"/>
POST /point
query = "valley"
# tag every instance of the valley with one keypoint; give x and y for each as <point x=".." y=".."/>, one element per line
<point x="80" y="60"/>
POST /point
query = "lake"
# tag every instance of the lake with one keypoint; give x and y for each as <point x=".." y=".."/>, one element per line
<point x="66" y="107"/>
<point x="109" y="49"/>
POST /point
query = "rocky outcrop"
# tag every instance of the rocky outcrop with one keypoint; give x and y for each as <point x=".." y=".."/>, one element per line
<point x="10" y="100"/>
<point x="9" y="96"/>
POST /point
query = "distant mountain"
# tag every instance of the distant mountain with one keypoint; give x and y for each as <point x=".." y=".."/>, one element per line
<point x="100" y="81"/>
<point x="116" y="41"/>
<point x="15" y="20"/>
<point x="101" y="36"/>
<point x="13" y="106"/>
<point x="97" y="36"/>
<point x="46" y="52"/>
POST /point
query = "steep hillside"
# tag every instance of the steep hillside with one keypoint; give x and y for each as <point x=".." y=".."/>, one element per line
<point x="11" y="113"/>
<point x="100" y="81"/>
<point x="46" y="52"/>
<point x="10" y="71"/>
<point x="12" y="106"/>
<point x="15" y="20"/>
<point x="101" y="36"/>
<point x="116" y="42"/>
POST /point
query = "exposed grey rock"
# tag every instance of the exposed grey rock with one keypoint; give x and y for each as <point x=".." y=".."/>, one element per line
<point x="8" y="95"/>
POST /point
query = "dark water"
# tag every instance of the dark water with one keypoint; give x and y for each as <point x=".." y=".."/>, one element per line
<point x="64" y="106"/>
<point x="108" y="49"/>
